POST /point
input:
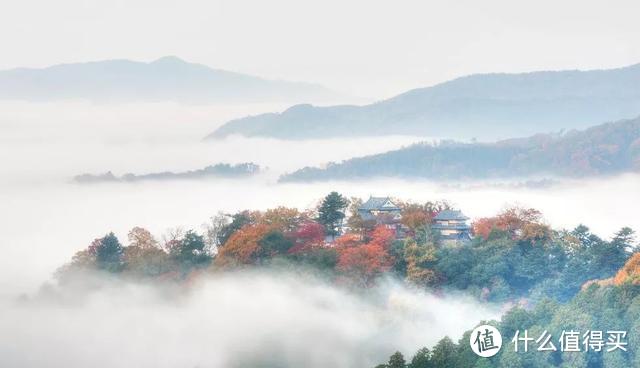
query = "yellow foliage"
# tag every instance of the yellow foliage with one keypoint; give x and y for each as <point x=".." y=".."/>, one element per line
<point x="630" y="272"/>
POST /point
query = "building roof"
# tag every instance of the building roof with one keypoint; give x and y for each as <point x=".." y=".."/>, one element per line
<point x="379" y="203"/>
<point x="463" y="227"/>
<point x="450" y="215"/>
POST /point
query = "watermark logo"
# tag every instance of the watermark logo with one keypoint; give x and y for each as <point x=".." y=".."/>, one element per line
<point x="485" y="341"/>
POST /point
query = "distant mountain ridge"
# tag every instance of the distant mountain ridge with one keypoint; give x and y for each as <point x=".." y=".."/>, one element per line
<point x="606" y="149"/>
<point x="166" y="79"/>
<point x="483" y="106"/>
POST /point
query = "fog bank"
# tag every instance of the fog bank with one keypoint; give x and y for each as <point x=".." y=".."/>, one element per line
<point x="45" y="219"/>
<point x="232" y="320"/>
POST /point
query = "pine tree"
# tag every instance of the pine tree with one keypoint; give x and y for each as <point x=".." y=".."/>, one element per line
<point x="331" y="212"/>
<point x="109" y="253"/>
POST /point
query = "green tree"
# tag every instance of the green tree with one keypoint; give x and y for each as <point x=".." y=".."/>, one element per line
<point x="422" y="359"/>
<point x="189" y="251"/>
<point x="331" y="212"/>
<point x="444" y="354"/>
<point x="396" y="361"/>
<point x="274" y="243"/>
<point x="109" y="253"/>
<point x="624" y="239"/>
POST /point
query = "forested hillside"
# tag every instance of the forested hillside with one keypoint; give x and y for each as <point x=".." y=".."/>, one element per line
<point x="611" y="148"/>
<point x="514" y="259"/>
<point x="609" y="306"/>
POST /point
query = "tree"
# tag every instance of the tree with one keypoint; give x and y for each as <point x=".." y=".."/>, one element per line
<point x="415" y="216"/>
<point x="444" y="354"/>
<point x="189" y="252"/>
<point x="396" y="361"/>
<point x="213" y="230"/>
<point x="624" y="239"/>
<point x="520" y="223"/>
<point x="143" y="256"/>
<point x="274" y="243"/>
<point x="108" y="253"/>
<point x="331" y="212"/>
<point x="238" y="221"/>
<point x="365" y="262"/>
<point x="141" y="238"/>
<point x="355" y="222"/>
<point x="418" y="259"/>
<point x="422" y="359"/>
<point x="283" y="218"/>
<point x="348" y="240"/>
<point x="243" y="245"/>
<point x="308" y="235"/>
<point x="382" y="236"/>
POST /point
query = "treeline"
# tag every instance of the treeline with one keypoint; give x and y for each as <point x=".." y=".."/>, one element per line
<point x="605" y="149"/>
<point x="220" y="170"/>
<point x="607" y="305"/>
<point x="512" y="255"/>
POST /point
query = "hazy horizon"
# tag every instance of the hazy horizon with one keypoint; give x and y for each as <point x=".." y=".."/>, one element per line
<point x="371" y="50"/>
<point x="280" y="290"/>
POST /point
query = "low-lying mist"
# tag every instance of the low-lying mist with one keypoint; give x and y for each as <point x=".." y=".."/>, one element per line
<point x="45" y="218"/>
<point x="224" y="320"/>
<point x="249" y="319"/>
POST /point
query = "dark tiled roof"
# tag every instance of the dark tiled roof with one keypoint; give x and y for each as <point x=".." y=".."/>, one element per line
<point x="450" y="215"/>
<point x="377" y="203"/>
<point x="450" y="227"/>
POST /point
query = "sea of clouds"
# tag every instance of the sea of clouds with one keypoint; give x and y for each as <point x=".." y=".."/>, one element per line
<point x="225" y="320"/>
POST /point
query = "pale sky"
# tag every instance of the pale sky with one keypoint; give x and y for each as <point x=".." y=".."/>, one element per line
<point x="364" y="47"/>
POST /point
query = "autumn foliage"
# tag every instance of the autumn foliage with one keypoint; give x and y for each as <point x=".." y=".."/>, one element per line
<point x="630" y="272"/>
<point x="243" y="245"/>
<point x="367" y="261"/>
<point x="307" y="236"/>
<point x="520" y="223"/>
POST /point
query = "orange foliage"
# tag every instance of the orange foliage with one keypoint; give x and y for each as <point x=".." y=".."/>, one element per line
<point x="348" y="240"/>
<point x="382" y="236"/>
<point x="415" y="216"/>
<point x="365" y="261"/>
<point x="521" y="223"/>
<point x="483" y="226"/>
<point x="242" y="246"/>
<point x="630" y="272"/>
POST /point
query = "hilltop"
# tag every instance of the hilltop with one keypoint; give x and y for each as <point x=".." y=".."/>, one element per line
<point x="166" y="79"/>
<point x="606" y="149"/>
<point x="484" y="106"/>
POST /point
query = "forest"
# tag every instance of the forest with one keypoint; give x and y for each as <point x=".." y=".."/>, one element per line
<point x="220" y="170"/>
<point x="606" y="149"/>
<point x="550" y="278"/>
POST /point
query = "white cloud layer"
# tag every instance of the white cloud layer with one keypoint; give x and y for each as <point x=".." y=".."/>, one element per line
<point x="232" y="320"/>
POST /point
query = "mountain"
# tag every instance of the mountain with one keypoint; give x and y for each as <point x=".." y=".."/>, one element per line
<point x="483" y="106"/>
<point x="166" y="79"/>
<point x="220" y="170"/>
<point x="605" y="149"/>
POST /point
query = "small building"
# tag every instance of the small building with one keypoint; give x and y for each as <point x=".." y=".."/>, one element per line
<point x="452" y="227"/>
<point x="379" y="207"/>
<point x="382" y="211"/>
